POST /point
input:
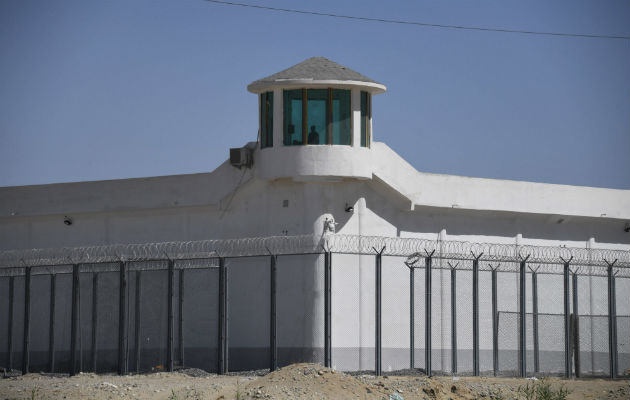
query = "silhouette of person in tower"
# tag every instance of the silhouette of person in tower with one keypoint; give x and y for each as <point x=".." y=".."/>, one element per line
<point x="313" y="136"/>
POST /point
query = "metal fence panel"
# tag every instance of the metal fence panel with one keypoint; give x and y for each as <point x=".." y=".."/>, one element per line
<point x="593" y="325"/>
<point x="4" y="321"/>
<point x="300" y="309"/>
<point x="623" y="326"/>
<point x="395" y="316"/>
<point x="485" y="322"/>
<point x="623" y="345"/>
<point x="529" y="324"/>
<point x="551" y="337"/>
<point x="507" y="283"/>
<point x="594" y="354"/>
<point x="529" y="318"/>
<point x="464" y="319"/>
<point x="353" y="310"/>
<point x="551" y="324"/>
<point x="446" y="322"/>
<point x="18" y="321"/>
<point x="63" y="321"/>
<point x="300" y="315"/>
<point x="419" y="320"/>
<point x="153" y="316"/>
<point x="40" y="306"/>
<point x="107" y="321"/>
<point x="248" y="313"/>
<point x="134" y="312"/>
<point x="86" y="298"/>
<point x="200" y="315"/>
<point x="440" y="321"/>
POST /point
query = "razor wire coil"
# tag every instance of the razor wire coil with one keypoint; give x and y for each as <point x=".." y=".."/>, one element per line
<point x="186" y="254"/>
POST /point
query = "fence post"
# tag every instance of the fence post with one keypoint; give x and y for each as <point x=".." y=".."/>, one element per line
<point x="122" y="320"/>
<point x="327" y="308"/>
<point x="614" y="305"/>
<point x="412" y="316"/>
<point x="27" y="322"/>
<point x="378" y="285"/>
<point x="10" y="322"/>
<point x="576" y="326"/>
<point x="51" y="323"/>
<point x="94" y="319"/>
<point x="170" y="322"/>
<point x="454" y="320"/>
<point x="535" y="319"/>
<point x="475" y="307"/>
<point x="74" y="325"/>
<point x="137" y="300"/>
<point x="223" y="310"/>
<point x="181" y="318"/>
<point x="567" y="321"/>
<point x="612" y="321"/>
<point x="523" y="318"/>
<point x="495" y="323"/>
<point x="427" y="314"/>
<point x="273" y="344"/>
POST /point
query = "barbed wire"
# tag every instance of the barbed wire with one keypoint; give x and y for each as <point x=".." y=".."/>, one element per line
<point x="189" y="250"/>
<point x="415" y="249"/>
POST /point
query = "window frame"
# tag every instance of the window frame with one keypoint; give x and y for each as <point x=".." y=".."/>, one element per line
<point x="366" y="119"/>
<point x="266" y="119"/>
<point x="329" y="117"/>
<point x="348" y="93"/>
<point x="286" y="117"/>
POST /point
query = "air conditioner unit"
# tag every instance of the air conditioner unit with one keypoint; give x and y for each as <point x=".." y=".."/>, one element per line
<point x="241" y="157"/>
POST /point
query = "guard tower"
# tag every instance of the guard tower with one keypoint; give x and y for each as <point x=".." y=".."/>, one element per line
<point x="315" y="122"/>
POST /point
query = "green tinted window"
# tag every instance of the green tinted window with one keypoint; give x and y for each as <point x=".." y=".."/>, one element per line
<point x="341" y="132"/>
<point x="293" y="117"/>
<point x="266" y="120"/>
<point x="365" y="119"/>
<point x="316" y="112"/>
<point x="317" y="116"/>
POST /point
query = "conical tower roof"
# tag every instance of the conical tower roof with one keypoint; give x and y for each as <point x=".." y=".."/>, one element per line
<point x="316" y="71"/>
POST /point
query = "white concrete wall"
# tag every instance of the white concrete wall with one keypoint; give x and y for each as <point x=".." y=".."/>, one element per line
<point x="315" y="162"/>
<point x="449" y="191"/>
<point x="390" y="199"/>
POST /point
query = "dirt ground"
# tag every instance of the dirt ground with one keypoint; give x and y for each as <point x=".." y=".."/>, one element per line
<point x="298" y="381"/>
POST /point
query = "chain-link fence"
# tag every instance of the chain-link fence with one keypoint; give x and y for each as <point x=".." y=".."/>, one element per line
<point x="353" y="303"/>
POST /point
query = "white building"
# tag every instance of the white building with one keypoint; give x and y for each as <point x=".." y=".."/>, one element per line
<point x="315" y="160"/>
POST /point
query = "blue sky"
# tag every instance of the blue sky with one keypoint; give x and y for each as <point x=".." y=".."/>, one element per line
<point x="116" y="89"/>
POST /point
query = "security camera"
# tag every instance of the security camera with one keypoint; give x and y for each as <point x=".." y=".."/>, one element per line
<point x="67" y="221"/>
<point x="349" y="208"/>
<point x="627" y="227"/>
